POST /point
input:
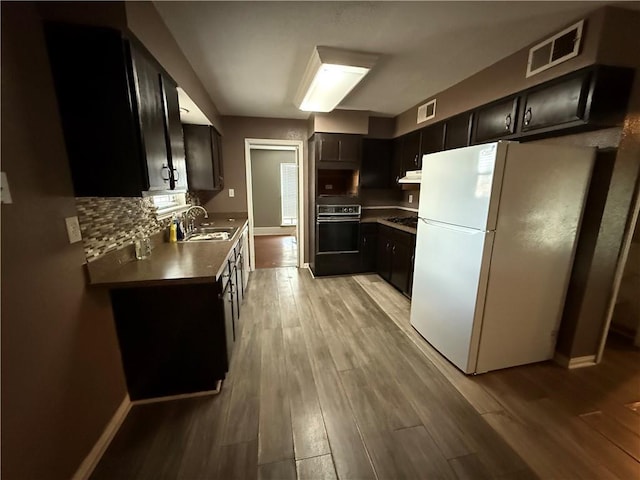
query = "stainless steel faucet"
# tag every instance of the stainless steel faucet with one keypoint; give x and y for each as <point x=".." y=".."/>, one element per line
<point x="190" y="219"/>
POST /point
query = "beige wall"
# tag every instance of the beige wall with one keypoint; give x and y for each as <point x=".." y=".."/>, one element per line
<point x="503" y="78"/>
<point x="236" y="130"/>
<point x="62" y="378"/>
<point x="340" y="121"/>
<point x="147" y="25"/>
<point x="266" y="186"/>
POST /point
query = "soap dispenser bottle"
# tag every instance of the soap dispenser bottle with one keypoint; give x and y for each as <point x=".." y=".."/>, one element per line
<point x="173" y="230"/>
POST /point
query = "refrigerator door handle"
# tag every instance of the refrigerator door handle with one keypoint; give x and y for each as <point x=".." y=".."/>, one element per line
<point x="448" y="226"/>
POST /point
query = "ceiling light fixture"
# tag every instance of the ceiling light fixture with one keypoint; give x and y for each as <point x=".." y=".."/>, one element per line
<point x="330" y="75"/>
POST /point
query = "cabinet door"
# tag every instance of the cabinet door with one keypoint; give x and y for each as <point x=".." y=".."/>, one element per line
<point x="411" y="266"/>
<point x="227" y="300"/>
<point x="327" y="148"/>
<point x="401" y="260"/>
<point x="495" y="121"/>
<point x="218" y="173"/>
<point x="383" y="257"/>
<point x="368" y="246"/>
<point x="174" y="136"/>
<point x="198" y="148"/>
<point x="458" y="131"/>
<point x="350" y="148"/>
<point x="397" y="168"/>
<point x="557" y="104"/>
<point x="375" y="171"/>
<point x="152" y="120"/>
<point x="432" y="140"/>
<point x="411" y="159"/>
<point x="102" y="136"/>
<point x="202" y="146"/>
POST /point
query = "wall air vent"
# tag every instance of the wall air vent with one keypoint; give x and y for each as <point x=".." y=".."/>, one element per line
<point x="427" y="111"/>
<point x="554" y="50"/>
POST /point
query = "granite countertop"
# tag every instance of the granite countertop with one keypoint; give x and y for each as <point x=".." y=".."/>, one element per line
<point x="380" y="216"/>
<point x="177" y="263"/>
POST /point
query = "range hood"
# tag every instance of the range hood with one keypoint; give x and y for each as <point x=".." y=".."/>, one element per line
<point x="412" y="176"/>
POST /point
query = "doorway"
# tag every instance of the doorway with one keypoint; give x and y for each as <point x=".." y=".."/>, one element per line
<point x="275" y="202"/>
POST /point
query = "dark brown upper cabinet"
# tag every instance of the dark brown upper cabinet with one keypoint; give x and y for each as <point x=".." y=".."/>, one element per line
<point x="411" y="158"/>
<point x="594" y="97"/>
<point x="397" y="168"/>
<point x="174" y="135"/>
<point x="458" y="131"/>
<point x="204" y="157"/>
<point x="556" y="104"/>
<point x="432" y="140"/>
<point x="119" y="113"/>
<point x="377" y="156"/>
<point x="496" y="120"/>
<point x="337" y="147"/>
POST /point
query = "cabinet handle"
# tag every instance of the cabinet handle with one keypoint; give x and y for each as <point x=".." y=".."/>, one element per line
<point x="397" y="179"/>
<point x="168" y="177"/>
<point x="507" y="122"/>
<point x="415" y="159"/>
<point x="527" y="116"/>
<point x="176" y="174"/>
<point x="387" y="247"/>
<point x="393" y="250"/>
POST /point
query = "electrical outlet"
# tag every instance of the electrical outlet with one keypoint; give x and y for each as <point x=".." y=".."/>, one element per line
<point x="73" y="229"/>
<point x="4" y="190"/>
<point x="410" y="198"/>
<point x="232" y="192"/>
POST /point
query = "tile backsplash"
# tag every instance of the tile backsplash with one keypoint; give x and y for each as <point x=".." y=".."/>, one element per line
<point x="109" y="224"/>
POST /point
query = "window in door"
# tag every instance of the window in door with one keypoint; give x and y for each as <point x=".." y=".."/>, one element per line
<point x="289" y="193"/>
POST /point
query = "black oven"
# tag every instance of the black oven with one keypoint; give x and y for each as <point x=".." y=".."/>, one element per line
<point x="337" y="228"/>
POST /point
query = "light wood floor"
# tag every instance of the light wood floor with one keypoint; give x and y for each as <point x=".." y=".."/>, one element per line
<point x="275" y="251"/>
<point x="329" y="380"/>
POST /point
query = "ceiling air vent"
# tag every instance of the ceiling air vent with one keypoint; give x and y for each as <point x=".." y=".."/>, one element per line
<point x="427" y="111"/>
<point x="557" y="49"/>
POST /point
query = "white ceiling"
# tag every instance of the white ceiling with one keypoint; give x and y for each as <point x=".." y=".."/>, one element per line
<point x="251" y="55"/>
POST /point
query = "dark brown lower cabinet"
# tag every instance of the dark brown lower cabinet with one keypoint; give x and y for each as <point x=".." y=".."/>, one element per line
<point x="368" y="246"/>
<point x="395" y="255"/>
<point x="172" y="338"/>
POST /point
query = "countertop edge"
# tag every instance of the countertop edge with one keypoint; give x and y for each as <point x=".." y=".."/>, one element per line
<point x="105" y="279"/>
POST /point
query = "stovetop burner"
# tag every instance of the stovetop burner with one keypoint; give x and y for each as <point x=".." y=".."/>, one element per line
<point x="407" y="221"/>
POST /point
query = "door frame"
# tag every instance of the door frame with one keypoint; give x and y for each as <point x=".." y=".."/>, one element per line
<point x="269" y="144"/>
<point x="634" y="217"/>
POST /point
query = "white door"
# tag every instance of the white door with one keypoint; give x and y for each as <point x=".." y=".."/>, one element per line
<point x="449" y="285"/>
<point x="462" y="186"/>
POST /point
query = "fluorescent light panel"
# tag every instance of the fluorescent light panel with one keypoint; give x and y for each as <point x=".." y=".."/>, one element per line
<point x="331" y="74"/>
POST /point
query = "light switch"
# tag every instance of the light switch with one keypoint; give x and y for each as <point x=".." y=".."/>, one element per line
<point x="410" y="198"/>
<point x="6" y="193"/>
<point x="232" y="192"/>
<point x="73" y="229"/>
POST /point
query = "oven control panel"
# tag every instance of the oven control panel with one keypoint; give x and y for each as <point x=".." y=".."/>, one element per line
<point x="334" y="210"/>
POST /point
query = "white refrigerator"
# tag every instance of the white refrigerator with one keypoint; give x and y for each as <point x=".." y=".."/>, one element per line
<point x="497" y="231"/>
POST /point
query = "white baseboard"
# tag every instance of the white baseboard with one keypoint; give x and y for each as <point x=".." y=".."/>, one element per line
<point x="274" y="230"/>
<point x="181" y="396"/>
<point x="575" y="362"/>
<point x="91" y="460"/>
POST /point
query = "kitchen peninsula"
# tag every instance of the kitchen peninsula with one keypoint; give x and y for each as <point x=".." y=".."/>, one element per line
<point x="177" y="312"/>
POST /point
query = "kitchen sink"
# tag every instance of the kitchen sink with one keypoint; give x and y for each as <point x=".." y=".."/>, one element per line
<point x="211" y="234"/>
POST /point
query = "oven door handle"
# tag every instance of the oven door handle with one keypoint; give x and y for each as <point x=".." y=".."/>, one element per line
<point x="338" y="220"/>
